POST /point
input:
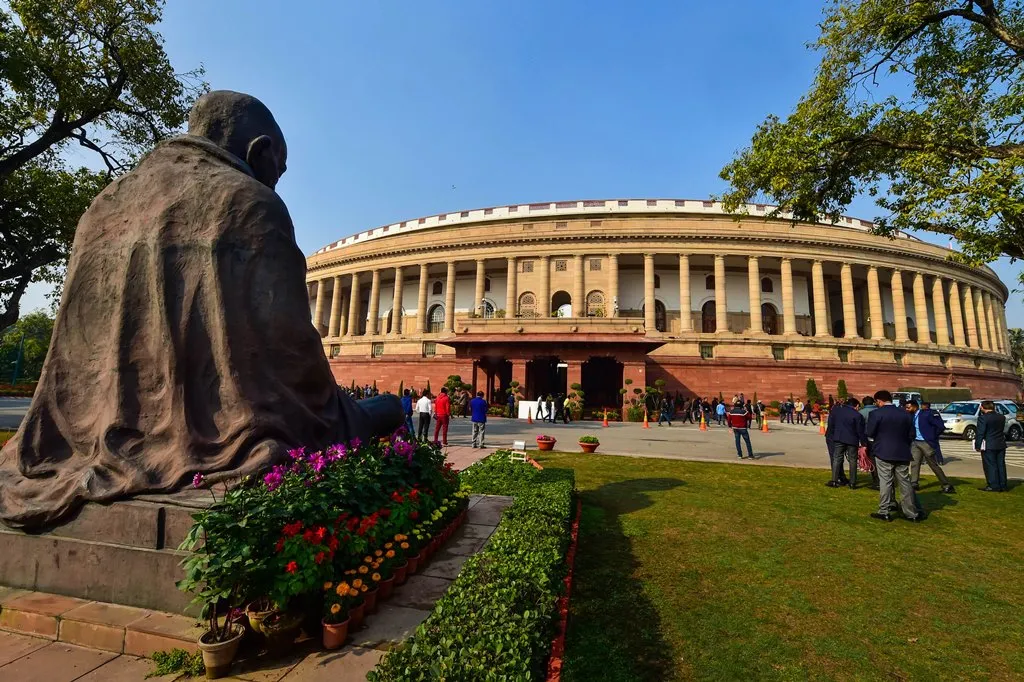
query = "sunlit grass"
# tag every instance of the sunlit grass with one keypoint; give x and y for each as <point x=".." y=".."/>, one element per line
<point x="710" y="571"/>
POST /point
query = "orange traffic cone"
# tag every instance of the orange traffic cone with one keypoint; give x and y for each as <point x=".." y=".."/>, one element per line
<point x="529" y="416"/>
<point x="764" y="424"/>
<point x="821" y="427"/>
<point x="605" y="423"/>
<point x="703" y="423"/>
<point x="646" y="424"/>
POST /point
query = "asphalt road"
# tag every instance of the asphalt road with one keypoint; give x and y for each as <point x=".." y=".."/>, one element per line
<point x="12" y="410"/>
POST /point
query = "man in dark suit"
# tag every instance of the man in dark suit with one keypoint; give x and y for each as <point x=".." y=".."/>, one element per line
<point x="846" y="433"/>
<point x="928" y="426"/>
<point x="892" y="431"/>
<point x="991" y="442"/>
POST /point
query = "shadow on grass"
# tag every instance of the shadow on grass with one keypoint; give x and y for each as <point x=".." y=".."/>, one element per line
<point x="614" y="630"/>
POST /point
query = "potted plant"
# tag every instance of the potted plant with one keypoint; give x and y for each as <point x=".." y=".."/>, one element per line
<point x="545" y="442"/>
<point x="589" y="443"/>
<point x="336" y="614"/>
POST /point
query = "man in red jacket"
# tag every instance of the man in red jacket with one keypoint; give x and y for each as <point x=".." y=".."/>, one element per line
<point x="739" y="421"/>
<point x="442" y="415"/>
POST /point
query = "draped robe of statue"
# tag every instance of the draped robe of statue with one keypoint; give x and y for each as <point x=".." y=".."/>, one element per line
<point x="183" y="344"/>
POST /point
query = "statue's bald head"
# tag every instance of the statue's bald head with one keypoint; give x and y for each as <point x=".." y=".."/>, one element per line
<point x="241" y="125"/>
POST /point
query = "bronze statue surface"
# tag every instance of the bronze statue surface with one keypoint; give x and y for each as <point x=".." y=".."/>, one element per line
<point x="183" y="342"/>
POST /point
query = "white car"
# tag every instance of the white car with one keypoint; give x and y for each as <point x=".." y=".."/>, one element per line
<point x="961" y="418"/>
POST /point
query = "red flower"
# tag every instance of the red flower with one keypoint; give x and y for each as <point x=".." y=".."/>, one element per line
<point x="352" y="523"/>
<point x="385" y="513"/>
<point x="291" y="567"/>
<point x="397" y="498"/>
<point x="309" y="536"/>
<point x="414" y="515"/>
<point x="291" y="529"/>
<point x="320" y="533"/>
<point x="332" y="543"/>
<point x="280" y="544"/>
<point x="414" y="494"/>
<point x="319" y="558"/>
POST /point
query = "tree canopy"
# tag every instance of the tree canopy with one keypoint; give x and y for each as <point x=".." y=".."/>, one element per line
<point x="918" y="103"/>
<point x="91" y="73"/>
<point x="36" y="328"/>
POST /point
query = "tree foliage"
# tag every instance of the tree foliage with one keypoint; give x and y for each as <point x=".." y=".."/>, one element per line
<point x="36" y="328"/>
<point x="86" y="73"/>
<point x="918" y="103"/>
<point x="1017" y="349"/>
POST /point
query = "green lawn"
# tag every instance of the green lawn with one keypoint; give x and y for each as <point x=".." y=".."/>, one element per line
<point x="690" y="570"/>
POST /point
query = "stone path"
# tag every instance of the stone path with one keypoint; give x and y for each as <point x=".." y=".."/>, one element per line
<point x="41" y="635"/>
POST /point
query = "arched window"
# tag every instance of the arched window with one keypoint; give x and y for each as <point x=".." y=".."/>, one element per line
<point x="660" y="322"/>
<point x="527" y="305"/>
<point x="708" y="324"/>
<point x="657" y="281"/>
<point x="766" y="285"/>
<point x="595" y="304"/>
<point x="436" y="288"/>
<point x="488" y="311"/>
<point x="709" y="282"/>
<point x="487" y="283"/>
<point x="769" y="319"/>
<point x="435" y="318"/>
<point x="561" y="304"/>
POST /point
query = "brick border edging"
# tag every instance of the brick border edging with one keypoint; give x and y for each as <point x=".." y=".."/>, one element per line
<point x="558" y="644"/>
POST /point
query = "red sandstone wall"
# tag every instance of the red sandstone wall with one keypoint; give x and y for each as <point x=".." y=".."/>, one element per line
<point x="389" y="372"/>
<point x="775" y="381"/>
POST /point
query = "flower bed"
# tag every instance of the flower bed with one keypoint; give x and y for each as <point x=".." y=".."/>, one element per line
<point x="353" y="514"/>
<point x="498" y="619"/>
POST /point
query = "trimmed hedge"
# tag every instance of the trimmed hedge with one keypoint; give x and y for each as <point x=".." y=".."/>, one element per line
<point x="497" y="620"/>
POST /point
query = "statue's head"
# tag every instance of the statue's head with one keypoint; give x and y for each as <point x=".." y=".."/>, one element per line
<point x="242" y="125"/>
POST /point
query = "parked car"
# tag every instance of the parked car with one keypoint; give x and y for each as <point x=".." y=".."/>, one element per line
<point x="961" y="418"/>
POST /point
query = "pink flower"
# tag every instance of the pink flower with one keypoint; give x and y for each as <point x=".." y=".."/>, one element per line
<point x="297" y="453"/>
<point x="273" y="479"/>
<point x="197" y="480"/>
<point x="355" y="443"/>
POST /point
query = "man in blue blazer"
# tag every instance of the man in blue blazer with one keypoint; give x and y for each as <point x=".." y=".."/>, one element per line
<point x="845" y="432"/>
<point x="991" y="436"/>
<point x="928" y="427"/>
<point x="892" y="432"/>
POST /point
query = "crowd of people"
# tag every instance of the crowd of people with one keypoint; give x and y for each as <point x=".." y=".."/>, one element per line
<point x="892" y="442"/>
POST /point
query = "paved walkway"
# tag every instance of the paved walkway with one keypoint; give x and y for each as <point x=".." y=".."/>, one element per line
<point x="31" y="658"/>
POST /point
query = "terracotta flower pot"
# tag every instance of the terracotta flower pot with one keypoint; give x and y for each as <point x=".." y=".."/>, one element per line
<point x="370" y="599"/>
<point x="401" y="573"/>
<point x="422" y="558"/>
<point x="218" y="656"/>
<point x="387" y="586"/>
<point x="356" y="615"/>
<point x="335" y="634"/>
<point x="414" y="563"/>
<point x="588" y="447"/>
<point x="545" y="444"/>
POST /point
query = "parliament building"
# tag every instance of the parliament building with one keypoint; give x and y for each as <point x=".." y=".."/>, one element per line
<point x="602" y="292"/>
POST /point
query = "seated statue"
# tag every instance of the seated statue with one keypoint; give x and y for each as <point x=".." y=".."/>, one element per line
<point x="183" y="343"/>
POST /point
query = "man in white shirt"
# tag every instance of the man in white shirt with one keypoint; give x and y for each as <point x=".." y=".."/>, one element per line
<point x="424" y="408"/>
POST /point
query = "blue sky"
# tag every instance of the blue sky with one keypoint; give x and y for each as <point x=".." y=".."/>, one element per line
<point x="386" y="105"/>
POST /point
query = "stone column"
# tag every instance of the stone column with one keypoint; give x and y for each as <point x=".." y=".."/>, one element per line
<point x="396" y="302"/>
<point x="612" y="304"/>
<point x="685" y="313"/>
<point x="899" y="307"/>
<point x="849" y="306"/>
<point x="478" y="292"/>
<point x="511" y="292"/>
<point x="332" y="325"/>
<point x="373" y="315"/>
<point x="579" y="302"/>
<point x="544" y="296"/>
<point x="788" y="309"/>
<point x="449" y="299"/>
<point x="820" y="300"/>
<point x="939" y="304"/>
<point x="421" y="300"/>
<point x="318" y="309"/>
<point x="343" y="321"/>
<point x="754" y="293"/>
<point x="649" y="300"/>
<point x="1004" y="334"/>
<point x="721" y="297"/>
<point x="353" y="307"/>
<point x="957" y="313"/>
<point x="979" y="310"/>
<point x="875" y="304"/>
<point x="972" y="321"/>
<point x="921" y="310"/>
<point x="993" y="329"/>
